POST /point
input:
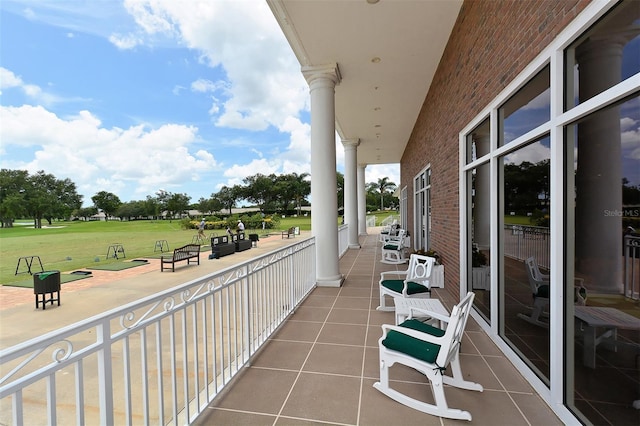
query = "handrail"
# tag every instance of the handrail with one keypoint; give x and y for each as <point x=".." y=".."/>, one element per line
<point x="161" y="359"/>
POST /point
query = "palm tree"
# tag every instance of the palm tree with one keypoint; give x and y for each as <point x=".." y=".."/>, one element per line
<point x="384" y="185"/>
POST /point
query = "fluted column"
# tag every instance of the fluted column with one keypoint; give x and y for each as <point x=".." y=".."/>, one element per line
<point x="350" y="190"/>
<point x="362" y="200"/>
<point x="324" y="201"/>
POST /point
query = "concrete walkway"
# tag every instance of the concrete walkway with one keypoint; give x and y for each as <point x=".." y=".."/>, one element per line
<point x="106" y="290"/>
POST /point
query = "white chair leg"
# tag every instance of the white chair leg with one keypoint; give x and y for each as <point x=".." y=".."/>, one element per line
<point x="383" y="303"/>
<point x="457" y="378"/>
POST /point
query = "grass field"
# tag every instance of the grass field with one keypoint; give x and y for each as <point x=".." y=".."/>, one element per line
<point x="68" y="246"/>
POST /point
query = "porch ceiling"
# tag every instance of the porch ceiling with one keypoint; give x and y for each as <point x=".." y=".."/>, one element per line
<point x="378" y="100"/>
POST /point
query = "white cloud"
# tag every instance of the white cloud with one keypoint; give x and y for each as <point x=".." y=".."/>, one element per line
<point x="9" y="79"/>
<point x="98" y="158"/>
<point x="125" y="42"/>
<point x="265" y="86"/>
<point x="532" y="153"/>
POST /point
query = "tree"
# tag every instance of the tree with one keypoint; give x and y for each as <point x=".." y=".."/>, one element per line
<point x="107" y="202"/>
<point x="384" y="186"/>
<point x="131" y="210"/>
<point x="86" y="212"/>
<point x="12" y="187"/>
<point x="227" y="197"/>
<point x="262" y="190"/>
<point x="152" y="207"/>
<point x="177" y="204"/>
<point x="208" y="205"/>
<point x="40" y="196"/>
<point x="340" y="188"/>
<point x="291" y="189"/>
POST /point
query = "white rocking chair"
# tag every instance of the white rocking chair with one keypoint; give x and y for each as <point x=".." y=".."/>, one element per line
<point x="414" y="282"/>
<point x="429" y="350"/>
<point x="539" y="283"/>
<point x="393" y="248"/>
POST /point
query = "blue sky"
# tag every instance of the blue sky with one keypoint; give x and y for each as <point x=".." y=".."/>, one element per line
<point x="133" y="96"/>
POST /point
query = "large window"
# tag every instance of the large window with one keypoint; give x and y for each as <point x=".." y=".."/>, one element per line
<point x="479" y="214"/>
<point x="602" y="203"/>
<point x="551" y="178"/>
<point x="525" y="239"/>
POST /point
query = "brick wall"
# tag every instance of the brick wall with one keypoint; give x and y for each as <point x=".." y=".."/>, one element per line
<point x="491" y="42"/>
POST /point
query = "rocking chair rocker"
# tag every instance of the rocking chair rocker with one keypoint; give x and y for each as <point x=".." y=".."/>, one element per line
<point x="429" y="350"/>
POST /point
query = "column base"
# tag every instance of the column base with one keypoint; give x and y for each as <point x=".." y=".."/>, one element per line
<point x="354" y="246"/>
<point x="363" y="234"/>
<point x="330" y="281"/>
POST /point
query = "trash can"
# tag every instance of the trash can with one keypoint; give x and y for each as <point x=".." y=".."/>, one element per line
<point x="45" y="284"/>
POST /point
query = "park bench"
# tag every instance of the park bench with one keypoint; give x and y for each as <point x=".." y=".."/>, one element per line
<point x="289" y="233"/>
<point x="188" y="252"/>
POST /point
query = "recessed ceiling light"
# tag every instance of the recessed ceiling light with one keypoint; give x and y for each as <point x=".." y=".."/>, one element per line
<point x="375" y="59"/>
<point x="372" y="1"/>
<point x="377" y="125"/>
<point x="377" y="109"/>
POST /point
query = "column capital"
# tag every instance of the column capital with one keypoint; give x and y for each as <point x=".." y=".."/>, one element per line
<point x="362" y="165"/>
<point x="350" y="143"/>
<point x="328" y="71"/>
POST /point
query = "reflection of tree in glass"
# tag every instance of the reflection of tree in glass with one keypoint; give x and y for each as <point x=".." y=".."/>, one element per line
<point x="526" y="187"/>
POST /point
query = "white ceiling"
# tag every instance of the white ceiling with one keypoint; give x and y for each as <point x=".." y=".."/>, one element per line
<point x="377" y="101"/>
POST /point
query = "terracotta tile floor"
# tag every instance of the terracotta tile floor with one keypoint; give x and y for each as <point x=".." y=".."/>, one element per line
<point x="320" y="367"/>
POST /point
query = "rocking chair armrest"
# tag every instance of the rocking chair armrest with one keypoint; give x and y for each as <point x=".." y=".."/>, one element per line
<point x="425" y="312"/>
<point x="425" y="337"/>
<point x="384" y="274"/>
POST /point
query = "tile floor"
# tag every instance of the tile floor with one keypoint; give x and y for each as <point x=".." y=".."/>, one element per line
<point x="320" y="367"/>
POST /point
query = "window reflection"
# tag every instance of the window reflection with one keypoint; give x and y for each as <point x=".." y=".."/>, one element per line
<point x="479" y="252"/>
<point x="605" y="55"/>
<point x="524" y="200"/>
<point x="603" y="169"/>
<point x="526" y="110"/>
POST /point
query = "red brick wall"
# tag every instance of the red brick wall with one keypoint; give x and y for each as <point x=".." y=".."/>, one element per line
<point x="491" y="42"/>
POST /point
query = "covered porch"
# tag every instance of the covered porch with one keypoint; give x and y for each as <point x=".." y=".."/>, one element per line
<point x="320" y="366"/>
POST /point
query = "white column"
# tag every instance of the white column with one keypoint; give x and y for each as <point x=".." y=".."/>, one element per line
<point x="599" y="173"/>
<point x="324" y="200"/>
<point x="350" y="190"/>
<point x="362" y="201"/>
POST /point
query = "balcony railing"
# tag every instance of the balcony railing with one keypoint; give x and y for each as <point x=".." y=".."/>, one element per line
<point x="632" y="267"/>
<point x="522" y="242"/>
<point x="162" y="359"/>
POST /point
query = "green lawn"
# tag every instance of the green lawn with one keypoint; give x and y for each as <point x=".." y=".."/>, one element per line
<point x="68" y="246"/>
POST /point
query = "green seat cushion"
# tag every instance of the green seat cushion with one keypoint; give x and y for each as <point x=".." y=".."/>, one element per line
<point x="391" y="247"/>
<point x="411" y="346"/>
<point x="397" y="285"/>
<point x="543" y="291"/>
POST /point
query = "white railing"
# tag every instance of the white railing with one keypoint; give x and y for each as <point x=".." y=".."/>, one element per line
<point x="632" y="267"/>
<point x="343" y="240"/>
<point x="162" y="359"/>
<point x="522" y="242"/>
<point x="389" y="220"/>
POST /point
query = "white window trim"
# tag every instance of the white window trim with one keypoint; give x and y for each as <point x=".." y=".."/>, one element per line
<point x="553" y="55"/>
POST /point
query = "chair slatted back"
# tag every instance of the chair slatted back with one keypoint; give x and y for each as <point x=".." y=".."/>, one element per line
<point x="420" y="268"/>
<point x="455" y="330"/>
<point x="535" y="276"/>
